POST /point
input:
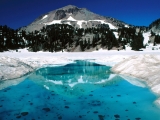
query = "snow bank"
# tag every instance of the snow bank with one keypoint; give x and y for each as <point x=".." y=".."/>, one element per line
<point x="116" y="34"/>
<point x="11" y="68"/>
<point x="126" y="26"/>
<point x="146" y="37"/>
<point x="142" y="66"/>
<point x="80" y="22"/>
<point x="54" y="22"/>
<point x="71" y="18"/>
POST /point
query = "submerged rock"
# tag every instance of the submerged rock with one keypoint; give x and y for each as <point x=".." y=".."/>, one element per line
<point x="24" y="113"/>
<point x="95" y="112"/>
<point x="117" y="116"/>
<point x="60" y="117"/>
<point x="18" y="117"/>
<point x="101" y="117"/>
<point x="66" y="106"/>
<point x="134" y="102"/>
<point x="46" y="109"/>
<point x="138" y="118"/>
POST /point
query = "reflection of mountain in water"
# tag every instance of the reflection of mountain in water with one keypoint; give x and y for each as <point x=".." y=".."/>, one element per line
<point x="74" y="71"/>
<point x="80" y="76"/>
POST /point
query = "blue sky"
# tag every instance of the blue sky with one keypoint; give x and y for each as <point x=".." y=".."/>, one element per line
<point x="18" y="13"/>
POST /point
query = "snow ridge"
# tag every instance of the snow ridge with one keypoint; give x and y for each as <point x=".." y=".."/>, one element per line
<point x="44" y="17"/>
<point x="80" y="22"/>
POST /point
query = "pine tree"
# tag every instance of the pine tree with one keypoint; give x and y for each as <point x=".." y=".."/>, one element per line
<point x="81" y="45"/>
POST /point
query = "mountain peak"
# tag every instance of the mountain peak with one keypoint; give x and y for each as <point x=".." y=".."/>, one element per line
<point x="74" y="16"/>
<point x="69" y="7"/>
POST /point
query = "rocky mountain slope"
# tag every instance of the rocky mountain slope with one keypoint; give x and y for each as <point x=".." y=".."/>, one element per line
<point x="155" y="26"/>
<point x="72" y="15"/>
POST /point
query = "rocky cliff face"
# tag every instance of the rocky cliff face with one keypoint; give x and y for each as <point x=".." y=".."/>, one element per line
<point x="60" y="14"/>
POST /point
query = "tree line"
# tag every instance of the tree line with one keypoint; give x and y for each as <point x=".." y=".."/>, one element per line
<point x="59" y="37"/>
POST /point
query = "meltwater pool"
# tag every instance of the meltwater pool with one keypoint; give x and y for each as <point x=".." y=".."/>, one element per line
<point x="78" y="91"/>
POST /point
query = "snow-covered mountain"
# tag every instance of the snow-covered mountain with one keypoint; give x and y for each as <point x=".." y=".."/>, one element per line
<point x="72" y="15"/>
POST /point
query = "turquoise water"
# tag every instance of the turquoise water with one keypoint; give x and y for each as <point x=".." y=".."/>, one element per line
<point x="77" y="91"/>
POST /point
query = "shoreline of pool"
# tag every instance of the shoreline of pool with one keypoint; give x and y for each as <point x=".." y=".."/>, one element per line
<point x="123" y="64"/>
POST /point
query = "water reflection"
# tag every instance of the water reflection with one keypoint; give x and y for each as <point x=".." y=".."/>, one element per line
<point x="75" y="77"/>
<point x="78" y="91"/>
